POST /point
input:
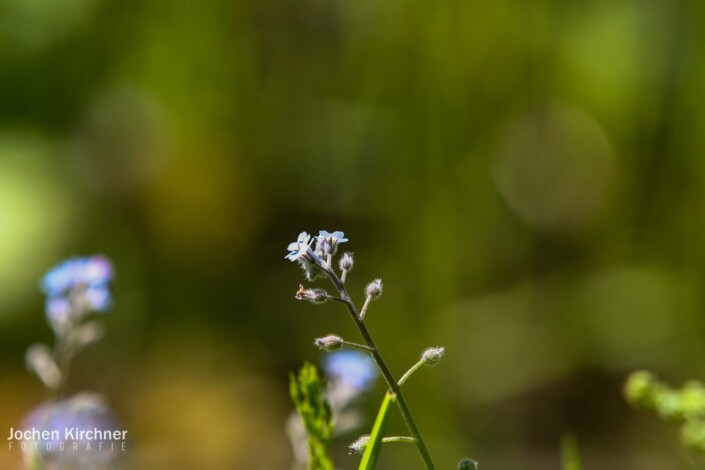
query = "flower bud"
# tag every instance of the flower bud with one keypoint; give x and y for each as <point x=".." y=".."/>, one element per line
<point x="316" y="296"/>
<point x="467" y="464"/>
<point x="346" y="262"/>
<point x="374" y="289"/>
<point x="358" y="447"/>
<point x="432" y="356"/>
<point x="329" y="343"/>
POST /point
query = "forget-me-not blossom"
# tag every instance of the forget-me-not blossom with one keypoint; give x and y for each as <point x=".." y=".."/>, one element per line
<point x="77" y="286"/>
<point x="353" y="368"/>
<point x="328" y="242"/>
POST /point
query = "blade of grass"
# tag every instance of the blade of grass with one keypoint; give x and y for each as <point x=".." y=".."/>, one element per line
<point x="369" y="458"/>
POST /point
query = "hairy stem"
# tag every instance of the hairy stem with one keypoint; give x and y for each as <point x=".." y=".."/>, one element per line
<point x="384" y="369"/>
<point x="408" y="373"/>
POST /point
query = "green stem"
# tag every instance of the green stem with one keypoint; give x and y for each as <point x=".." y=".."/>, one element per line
<point x="413" y="369"/>
<point x="384" y="369"/>
<point x="356" y="346"/>
<point x="405" y="439"/>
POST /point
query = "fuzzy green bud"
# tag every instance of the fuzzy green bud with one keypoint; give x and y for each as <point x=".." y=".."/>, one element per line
<point x="329" y="343"/>
<point x="467" y="464"/>
<point x="433" y="356"/>
<point x="358" y="447"/>
<point x="316" y="296"/>
<point x="346" y="262"/>
<point x="374" y="289"/>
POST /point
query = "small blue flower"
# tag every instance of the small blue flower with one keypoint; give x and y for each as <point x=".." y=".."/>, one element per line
<point x="354" y="368"/>
<point x="328" y="242"/>
<point x="75" y="287"/>
<point x="300" y="248"/>
<point x="89" y="271"/>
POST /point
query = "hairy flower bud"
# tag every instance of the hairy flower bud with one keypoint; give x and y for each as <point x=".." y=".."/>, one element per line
<point x="432" y="356"/>
<point x="374" y="289"/>
<point x="358" y="447"/>
<point x="467" y="464"/>
<point x="329" y="343"/>
<point x="316" y="296"/>
<point x="346" y="262"/>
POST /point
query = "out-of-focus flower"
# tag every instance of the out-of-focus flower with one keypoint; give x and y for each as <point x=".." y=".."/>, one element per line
<point x="76" y="287"/>
<point x="82" y="412"/>
<point x="300" y="248"/>
<point x="327" y="243"/>
<point x="353" y="368"/>
<point x="92" y="271"/>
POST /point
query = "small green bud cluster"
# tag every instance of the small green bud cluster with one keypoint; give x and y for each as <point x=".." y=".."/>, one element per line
<point x="685" y="406"/>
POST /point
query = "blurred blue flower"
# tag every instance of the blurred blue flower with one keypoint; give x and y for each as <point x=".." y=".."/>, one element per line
<point x="84" y="412"/>
<point x="93" y="271"/>
<point x="300" y="248"/>
<point x="77" y="286"/>
<point x="354" y="368"/>
<point x="328" y="242"/>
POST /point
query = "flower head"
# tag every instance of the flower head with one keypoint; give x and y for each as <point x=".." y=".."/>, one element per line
<point x="85" y="412"/>
<point x="92" y="271"/>
<point x="300" y="248"/>
<point x="353" y="368"/>
<point x="75" y="287"/>
<point x="327" y="243"/>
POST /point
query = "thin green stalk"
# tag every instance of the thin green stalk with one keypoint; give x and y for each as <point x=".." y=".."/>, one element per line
<point x="403" y="439"/>
<point x="384" y="369"/>
<point x="362" y="347"/>
<point x="408" y="373"/>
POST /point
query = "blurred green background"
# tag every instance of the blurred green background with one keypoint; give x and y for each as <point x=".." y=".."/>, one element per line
<point x="526" y="177"/>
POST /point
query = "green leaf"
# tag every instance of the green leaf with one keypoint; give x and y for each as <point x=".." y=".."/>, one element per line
<point x="306" y="391"/>
<point x="369" y="458"/>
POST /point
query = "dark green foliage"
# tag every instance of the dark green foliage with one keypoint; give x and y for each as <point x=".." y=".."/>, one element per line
<point x="306" y="391"/>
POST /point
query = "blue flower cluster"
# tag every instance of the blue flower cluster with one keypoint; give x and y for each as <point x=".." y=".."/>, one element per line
<point x="77" y="286"/>
<point x="66" y="418"/>
<point x="326" y="244"/>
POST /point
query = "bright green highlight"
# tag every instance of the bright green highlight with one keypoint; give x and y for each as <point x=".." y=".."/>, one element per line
<point x="570" y="454"/>
<point x="684" y="406"/>
<point x="369" y="458"/>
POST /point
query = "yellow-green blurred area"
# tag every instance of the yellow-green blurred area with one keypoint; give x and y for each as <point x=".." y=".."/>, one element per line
<point x="527" y="178"/>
